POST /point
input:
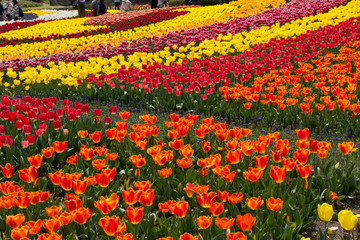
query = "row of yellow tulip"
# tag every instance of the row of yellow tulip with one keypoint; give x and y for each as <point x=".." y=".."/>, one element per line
<point x="40" y="12"/>
<point x="197" y="17"/>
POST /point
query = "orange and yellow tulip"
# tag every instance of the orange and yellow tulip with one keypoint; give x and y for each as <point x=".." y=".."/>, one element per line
<point x="111" y="226"/>
<point x="203" y="222"/>
<point x="245" y="222"/>
<point x="60" y="147"/>
<point x="53" y="211"/>
<point x="15" y="221"/>
<point x="254" y="203"/>
<point x="134" y="215"/>
<point x="81" y="215"/>
<point x="7" y="171"/>
<point x="274" y="204"/>
<point x="224" y="223"/>
<point x="278" y="174"/>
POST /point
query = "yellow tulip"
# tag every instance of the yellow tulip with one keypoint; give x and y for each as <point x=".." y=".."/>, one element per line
<point x="325" y="212"/>
<point x="347" y="219"/>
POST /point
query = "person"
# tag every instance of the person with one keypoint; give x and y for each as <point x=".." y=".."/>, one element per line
<point x="95" y="4"/>
<point x="8" y="8"/>
<point x="1" y="12"/>
<point x="102" y="7"/>
<point x="160" y="4"/>
<point x="154" y="3"/>
<point x="117" y="4"/>
<point x="125" y="5"/>
<point x="15" y="10"/>
<point x="108" y="4"/>
<point x="81" y="8"/>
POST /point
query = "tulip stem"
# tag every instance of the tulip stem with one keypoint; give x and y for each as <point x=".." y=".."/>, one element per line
<point x="326" y="230"/>
<point x="254" y="189"/>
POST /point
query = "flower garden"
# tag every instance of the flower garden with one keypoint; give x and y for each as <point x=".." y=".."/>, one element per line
<point x="234" y="121"/>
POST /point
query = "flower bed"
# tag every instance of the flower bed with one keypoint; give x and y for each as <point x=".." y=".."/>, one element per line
<point x="74" y="176"/>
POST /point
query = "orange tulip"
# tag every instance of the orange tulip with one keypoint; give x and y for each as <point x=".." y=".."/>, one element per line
<point x="53" y="211"/>
<point x="56" y="177"/>
<point x="232" y="144"/>
<point x="302" y="144"/>
<point x="347" y="147"/>
<point x="34" y="227"/>
<point x="147" y="197"/>
<point x="107" y="205"/>
<point x="233" y="157"/>
<point x="134" y="215"/>
<point x="79" y="187"/>
<point x="81" y="215"/>
<point x="253" y="174"/>
<point x="206" y="199"/>
<point x="46" y="236"/>
<point x="165" y="238"/>
<point x="302" y="134"/>
<point x="216" y="208"/>
<point x="274" y="204"/>
<point x="245" y="222"/>
<point x="180" y="209"/>
<point x="111" y="156"/>
<point x="82" y="134"/>
<point x="222" y="134"/>
<point x="15" y="221"/>
<point x="224" y="223"/>
<point x="247" y="147"/>
<point x="60" y="147"/>
<point x="124" y="115"/>
<point x="20" y="233"/>
<point x="86" y="153"/>
<point x="101" y="151"/>
<point x="288" y="163"/>
<point x="23" y="200"/>
<point x="277" y="155"/>
<point x="99" y="164"/>
<point x="111" y="133"/>
<point x="235" y="133"/>
<point x="184" y="163"/>
<point x="72" y="159"/>
<point x="28" y="175"/>
<point x="176" y="144"/>
<point x="165" y="172"/>
<point x="261" y="161"/>
<point x="137" y="160"/>
<point x="130" y="196"/>
<point x="95" y="137"/>
<point x="72" y="202"/>
<point x="187" y="236"/>
<point x="304" y="172"/>
<point x="254" y="203"/>
<point x="236" y="236"/>
<point x="260" y="147"/>
<point x="235" y="198"/>
<point x="278" y="174"/>
<point x="203" y="222"/>
<point x="65" y="218"/>
<point x="205" y="146"/>
<point x="7" y="202"/>
<point x="66" y="182"/>
<point x="302" y="155"/>
<point x="7" y="171"/>
<point x="111" y="226"/>
<point x="48" y="152"/>
<point x="103" y="180"/>
<point x="52" y="225"/>
<point x="143" y="185"/>
<point x="223" y="195"/>
<point x="333" y="196"/>
<point x="186" y="151"/>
